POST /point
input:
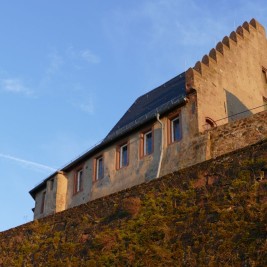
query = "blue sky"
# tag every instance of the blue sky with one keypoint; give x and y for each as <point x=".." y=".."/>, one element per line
<point x="70" y="69"/>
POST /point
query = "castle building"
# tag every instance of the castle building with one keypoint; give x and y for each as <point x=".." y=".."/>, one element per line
<point x="165" y="129"/>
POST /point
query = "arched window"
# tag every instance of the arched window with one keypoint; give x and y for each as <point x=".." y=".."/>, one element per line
<point x="209" y="123"/>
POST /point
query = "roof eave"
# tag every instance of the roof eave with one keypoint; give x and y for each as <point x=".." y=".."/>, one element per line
<point x="106" y="142"/>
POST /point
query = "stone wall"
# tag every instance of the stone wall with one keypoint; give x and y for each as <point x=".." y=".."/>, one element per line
<point x="211" y="214"/>
<point x="238" y="134"/>
<point x="230" y="78"/>
<point x="215" y="142"/>
<point x="192" y="149"/>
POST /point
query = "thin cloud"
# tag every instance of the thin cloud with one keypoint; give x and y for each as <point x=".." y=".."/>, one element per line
<point x="87" y="107"/>
<point x="28" y="163"/>
<point x="90" y="57"/>
<point x="15" y="86"/>
<point x="82" y="55"/>
<point x="56" y="62"/>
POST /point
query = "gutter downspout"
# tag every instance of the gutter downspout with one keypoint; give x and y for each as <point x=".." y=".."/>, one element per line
<point x="161" y="148"/>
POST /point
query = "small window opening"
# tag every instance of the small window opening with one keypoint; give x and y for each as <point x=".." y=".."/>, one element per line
<point x="99" y="168"/>
<point x="122" y="157"/>
<point x="210" y="123"/>
<point x="146" y="142"/>
<point x="176" y="133"/>
<point x="78" y="180"/>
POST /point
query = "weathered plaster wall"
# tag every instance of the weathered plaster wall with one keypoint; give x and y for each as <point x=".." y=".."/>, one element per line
<point x="230" y="78"/>
<point x="115" y="180"/>
<point x="119" y="179"/>
<point x="61" y="183"/>
<point x="192" y="149"/>
<point x="55" y="197"/>
<point x="38" y="205"/>
<point x="139" y="170"/>
<point x="50" y="198"/>
<point x="215" y="142"/>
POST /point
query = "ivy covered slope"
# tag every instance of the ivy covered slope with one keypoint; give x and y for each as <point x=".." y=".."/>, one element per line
<point x="212" y="214"/>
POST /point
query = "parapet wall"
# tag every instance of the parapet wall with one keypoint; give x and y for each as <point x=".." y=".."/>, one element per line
<point x="216" y="142"/>
<point x="206" y="215"/>
<point x="229" y="79"/>
<point x="238" y="134"/>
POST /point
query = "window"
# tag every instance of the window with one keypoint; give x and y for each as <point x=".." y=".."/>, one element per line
<point x="78" y="180"/>
<point x="99" y="168"/>
<point x="210" y="123"/>
<point x="43" y="202"/>
<point x="122" y="156"/>
<point x="174" y="127"/>
<point x="146" y="143"/>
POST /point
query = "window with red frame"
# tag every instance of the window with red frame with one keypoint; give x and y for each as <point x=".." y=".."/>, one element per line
<point x="99" y="168"/>
<point x="175" y="128"/>
<point x="78" y="181"/>
<point x="146" y="143"/>
<point x="122" y="156"/>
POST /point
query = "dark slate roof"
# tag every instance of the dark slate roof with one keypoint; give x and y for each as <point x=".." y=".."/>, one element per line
<point x="144" y="109"/>
<point x="148" y="105"/>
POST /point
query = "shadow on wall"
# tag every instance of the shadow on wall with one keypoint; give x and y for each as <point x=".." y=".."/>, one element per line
<point x="235" y="108"/>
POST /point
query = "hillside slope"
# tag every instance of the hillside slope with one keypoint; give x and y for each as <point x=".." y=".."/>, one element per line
<point x="211" y="214"/>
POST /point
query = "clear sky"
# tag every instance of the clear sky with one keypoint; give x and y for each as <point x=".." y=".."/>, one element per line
<point x="70" y="69"/>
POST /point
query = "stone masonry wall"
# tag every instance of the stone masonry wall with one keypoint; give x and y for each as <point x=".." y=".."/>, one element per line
<point x="211" y="214"/>
<point x="238" y="134"/>
<point x="216" y="142"/>
<point x="229" y="80"/>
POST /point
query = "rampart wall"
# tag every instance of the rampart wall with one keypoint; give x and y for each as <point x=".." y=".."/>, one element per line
<point x="207" y="215"/>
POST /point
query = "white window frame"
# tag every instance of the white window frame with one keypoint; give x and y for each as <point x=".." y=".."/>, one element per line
<point x="172" y="129"/>
<point x="121" y="156"/>
<point x="79" y="176"/>
<point x="98" y="177"/>
<point x="145" y="152"/>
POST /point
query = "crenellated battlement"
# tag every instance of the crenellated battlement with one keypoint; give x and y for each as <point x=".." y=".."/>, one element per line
<point x="228" y="79"/>
<point x="236" y="38"/>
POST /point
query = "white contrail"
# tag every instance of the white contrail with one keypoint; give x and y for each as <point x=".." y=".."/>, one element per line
<point x="27" y="162"/>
